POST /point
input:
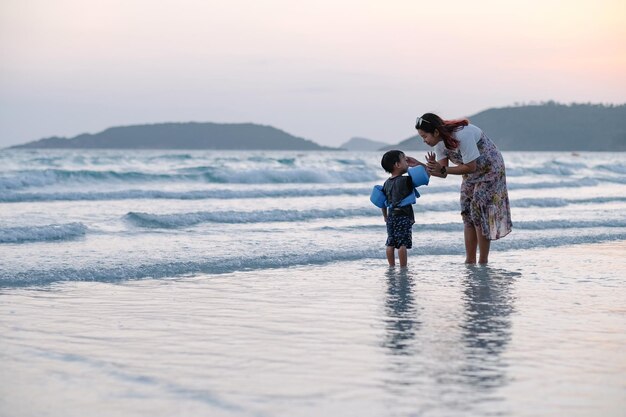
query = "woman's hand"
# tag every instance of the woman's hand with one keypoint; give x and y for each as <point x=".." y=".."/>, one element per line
<point x="434" y="169"/>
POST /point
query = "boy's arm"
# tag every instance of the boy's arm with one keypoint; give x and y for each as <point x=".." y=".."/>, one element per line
<point x="412" y="162"/>
<point x="384" y="210"/>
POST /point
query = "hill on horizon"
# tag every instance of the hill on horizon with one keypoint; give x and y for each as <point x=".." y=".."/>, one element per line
<point x="191" y="135"/>
<point x="547" y="126"/>
<point x="537" y="127"/>
<point x="362" y="144"/>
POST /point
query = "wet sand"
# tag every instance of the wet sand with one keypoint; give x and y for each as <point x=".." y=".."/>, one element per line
<point x="537" y="332"/>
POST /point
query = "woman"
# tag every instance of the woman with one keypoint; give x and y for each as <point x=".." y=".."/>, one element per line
<point x="484" y="197"/>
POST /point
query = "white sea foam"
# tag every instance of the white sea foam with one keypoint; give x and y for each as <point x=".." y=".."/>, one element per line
<point x="263" y="216"/>
<point x="182" y="195"/>
<point x="174" y="220"/>
<point x="146" y="205"/>
<point x="42" y="233"/>
<point x="284" y="174"/>
<point x="251" y="192"/>
<point x="41" y="178"/>
<point x="172" y="268"/>
<point x="517" y="225"/>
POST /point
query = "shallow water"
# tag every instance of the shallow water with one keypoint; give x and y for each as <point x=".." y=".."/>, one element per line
<point x="541" y="332"/>
<point x="110" y="216"/>
<point x="255" y="284"/>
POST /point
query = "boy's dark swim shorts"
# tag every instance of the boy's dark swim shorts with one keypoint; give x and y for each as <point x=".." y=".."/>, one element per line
<point x="399" y="231"/>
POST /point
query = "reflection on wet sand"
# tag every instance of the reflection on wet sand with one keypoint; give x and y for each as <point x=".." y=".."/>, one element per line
<point x="488" y="301"/>
<point x="473" y="330"/>
<point x="401" y="312"/>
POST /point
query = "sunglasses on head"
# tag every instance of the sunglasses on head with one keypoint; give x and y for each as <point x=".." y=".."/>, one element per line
<point x="419" y="122"/>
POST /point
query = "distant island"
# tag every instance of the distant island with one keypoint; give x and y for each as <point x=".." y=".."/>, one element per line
<point x="363" y="144"/>
<point x="242" y="136"/>
<point x="547" y="126"/>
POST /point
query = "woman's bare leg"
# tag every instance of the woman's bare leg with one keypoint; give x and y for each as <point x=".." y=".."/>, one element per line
<point x="402" y="255"/>
<point x="483" y="246"/>
<point x="391" y="256"/>
<point x="470" y="244"/>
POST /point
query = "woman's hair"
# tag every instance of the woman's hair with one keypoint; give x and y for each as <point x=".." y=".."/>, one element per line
<point x="390" y="158"/>
<point x="429" y="122"/>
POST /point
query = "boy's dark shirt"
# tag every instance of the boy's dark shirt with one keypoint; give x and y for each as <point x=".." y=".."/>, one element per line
<point x="396" y="189"/>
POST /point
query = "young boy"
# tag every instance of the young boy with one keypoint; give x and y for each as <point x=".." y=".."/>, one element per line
<point x="399" y="219"/>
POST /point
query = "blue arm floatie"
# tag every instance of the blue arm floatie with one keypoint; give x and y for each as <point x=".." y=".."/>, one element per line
<point x="418" y="175"/>
<point x="378" y="197"/>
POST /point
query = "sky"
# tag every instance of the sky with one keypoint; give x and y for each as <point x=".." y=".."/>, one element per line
<point x="324" y="70"/>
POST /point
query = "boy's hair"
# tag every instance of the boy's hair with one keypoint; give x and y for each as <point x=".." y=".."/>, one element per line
<point x="390" y="158"/>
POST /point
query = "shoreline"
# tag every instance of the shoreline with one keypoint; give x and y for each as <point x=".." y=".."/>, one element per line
<point x="348" y="337"/>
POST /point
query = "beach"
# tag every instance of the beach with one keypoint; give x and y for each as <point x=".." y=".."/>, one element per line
<point x="130" y="285"/>
<point x="538" y="332"/>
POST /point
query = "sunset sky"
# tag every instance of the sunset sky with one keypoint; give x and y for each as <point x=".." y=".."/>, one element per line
<point x="323" y="70"/>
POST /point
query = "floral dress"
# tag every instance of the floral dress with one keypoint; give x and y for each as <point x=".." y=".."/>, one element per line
<point x="484" y="196"/>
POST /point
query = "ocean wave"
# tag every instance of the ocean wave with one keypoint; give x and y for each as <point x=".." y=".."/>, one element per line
<point x="177" y="220"/>
<point x="177" y="268"/>
<point x="583" y="182"/>
<point x="250" y="192"/>
<point x="569" y="224"/>
<point x="271" y="160"/>
<point x="615" y="180"/>
<point x="42" y="233"/>
<point x="170" y="221"/>
<point x="47" y="177"/>
<point x="613" y="168"/>
<point x="222" y="194"/>
<point x="292" y="175"/>
<point x="562" y="202"/>
<point x="171" y="157"/>
<point x="517" y="225"/>
<point x="548" y="168"/>
<point x="164" y="269"/>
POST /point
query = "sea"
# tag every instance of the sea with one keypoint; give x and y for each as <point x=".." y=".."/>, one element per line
<point x="232" y="283"/>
